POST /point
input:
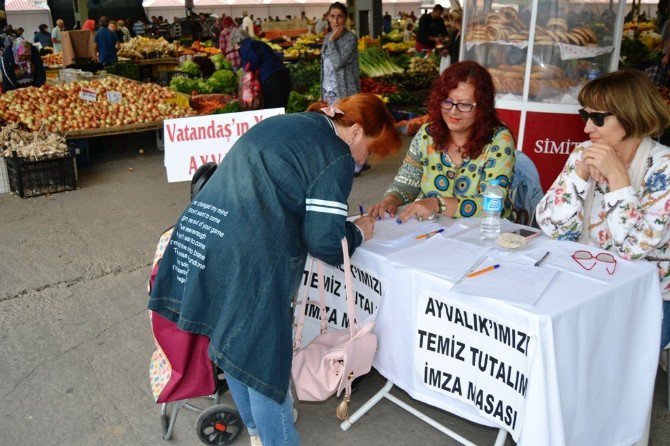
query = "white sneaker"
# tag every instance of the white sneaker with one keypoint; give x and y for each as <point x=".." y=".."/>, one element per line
<point x="255" y="440"/>
<point x="295" y="415"/>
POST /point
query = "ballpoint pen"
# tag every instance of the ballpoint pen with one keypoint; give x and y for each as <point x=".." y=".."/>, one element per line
<point x="482" y="271"/>
<point x="539" y="262"/>
<point x="361" y="210"/>
<point x="429" y="234"/>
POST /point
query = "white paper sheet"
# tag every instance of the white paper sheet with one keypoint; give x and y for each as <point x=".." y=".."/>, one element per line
<point x="513" y="282"/>
<point x="440" y="256"/>
<point x="561" y="258"/>
<point x="389" y="232"/>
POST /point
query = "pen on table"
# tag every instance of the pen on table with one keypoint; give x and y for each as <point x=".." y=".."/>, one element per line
<point x="429" y="235"/>
<point x="482" y="271"/>
<point x="361" y="210"/>
<point x="539" y="262"/>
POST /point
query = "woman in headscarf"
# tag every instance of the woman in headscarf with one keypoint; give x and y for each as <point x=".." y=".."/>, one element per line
<point x="22" y="66"/>
<point x="89" y="25"/>
<point x="256" y="55"/>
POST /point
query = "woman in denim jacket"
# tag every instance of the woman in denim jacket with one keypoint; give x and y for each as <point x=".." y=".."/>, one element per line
<point x="237" y="253"/>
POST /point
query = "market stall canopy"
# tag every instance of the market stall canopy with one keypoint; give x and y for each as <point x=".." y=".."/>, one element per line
<point x="200" y="3"/>
<point x="28" y="15"/>
<point x="24" y="5"/>
<point x="163" y="4"/>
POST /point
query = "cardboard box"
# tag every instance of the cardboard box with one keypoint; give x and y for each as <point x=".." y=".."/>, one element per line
<point x="77" y="45"/>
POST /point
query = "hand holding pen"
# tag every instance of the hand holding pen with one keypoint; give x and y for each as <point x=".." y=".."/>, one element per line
<point x="365" y="223"/>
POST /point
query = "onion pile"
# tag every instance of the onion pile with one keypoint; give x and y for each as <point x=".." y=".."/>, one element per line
<point x="60" y="109"/>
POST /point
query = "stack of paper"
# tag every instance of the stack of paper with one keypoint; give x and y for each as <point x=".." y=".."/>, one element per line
<point x="441" y="257"/>
<point x="512" y="282"/>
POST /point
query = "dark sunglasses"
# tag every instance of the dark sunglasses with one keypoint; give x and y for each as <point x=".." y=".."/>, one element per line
<point x="598" y="119"/>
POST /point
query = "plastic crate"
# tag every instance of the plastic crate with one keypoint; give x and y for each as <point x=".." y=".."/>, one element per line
<point x="46" y="176"/>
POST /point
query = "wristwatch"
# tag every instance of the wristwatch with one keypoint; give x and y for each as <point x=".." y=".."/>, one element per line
<point x="442" y="205"/>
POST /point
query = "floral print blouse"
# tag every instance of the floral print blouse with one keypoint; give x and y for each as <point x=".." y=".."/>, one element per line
<point x="427" y="171"/>
<point x="634" y="225"/>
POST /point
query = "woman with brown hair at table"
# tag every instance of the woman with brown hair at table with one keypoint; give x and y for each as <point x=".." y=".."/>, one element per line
<point x="454" y="155"/>
<point x="614" y="191"/>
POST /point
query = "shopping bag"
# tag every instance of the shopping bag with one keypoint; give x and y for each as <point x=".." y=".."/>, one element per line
<point x="250" y="94"/>
<point x="330" y="363"/>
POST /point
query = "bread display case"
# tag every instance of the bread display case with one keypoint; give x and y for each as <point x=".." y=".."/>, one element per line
<point x="540" y="54"/>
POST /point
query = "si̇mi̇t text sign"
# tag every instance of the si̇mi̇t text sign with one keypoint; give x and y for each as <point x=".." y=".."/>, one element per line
<point x="194" y="141"/>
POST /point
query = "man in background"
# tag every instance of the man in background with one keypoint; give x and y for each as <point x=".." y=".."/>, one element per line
<point x="106" y="43"/>
<point x="43" y="37"/>
<point x="56" y="35"/>
<point x="322" y="25"/>
<point x="431" y="30"/>
<point x="247" y="24"/>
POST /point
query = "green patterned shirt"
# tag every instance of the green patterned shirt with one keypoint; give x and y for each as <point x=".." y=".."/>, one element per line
<point x="428" y="171"/>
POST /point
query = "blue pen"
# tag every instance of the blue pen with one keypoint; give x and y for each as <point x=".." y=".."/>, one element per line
<point x="398" y="220"/>
<point x="361" y="210"/>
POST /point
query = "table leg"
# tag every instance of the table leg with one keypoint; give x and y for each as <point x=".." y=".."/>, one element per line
<point x="385" y="392"/>
<point x="346" y="424"/>
<point x="500" y="439"/>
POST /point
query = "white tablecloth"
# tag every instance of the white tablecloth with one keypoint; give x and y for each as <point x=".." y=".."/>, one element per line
<point x="592" y="373"/>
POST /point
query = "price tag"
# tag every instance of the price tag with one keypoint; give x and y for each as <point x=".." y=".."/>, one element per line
<point x="88" y="95"/>
<point x="114" y="97"/>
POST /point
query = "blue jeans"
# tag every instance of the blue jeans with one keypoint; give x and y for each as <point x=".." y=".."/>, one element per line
<point x="665" y="326"/>
<point x="263" y="416"/>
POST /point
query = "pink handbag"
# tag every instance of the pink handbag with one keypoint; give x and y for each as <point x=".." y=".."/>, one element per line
<point x="332" y="360"/>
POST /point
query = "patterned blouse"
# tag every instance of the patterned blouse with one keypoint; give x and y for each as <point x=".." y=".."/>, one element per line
<point x="427" y="171"/>
<point x="634" y="225"/>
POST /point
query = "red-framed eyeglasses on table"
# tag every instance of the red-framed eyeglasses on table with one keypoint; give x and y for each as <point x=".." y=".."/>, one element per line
<point x="587" y="260"/>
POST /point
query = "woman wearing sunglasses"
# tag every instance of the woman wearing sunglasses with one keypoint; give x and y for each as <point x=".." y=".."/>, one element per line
<point x="614" y="191"/>
<point x="452" y="157"/>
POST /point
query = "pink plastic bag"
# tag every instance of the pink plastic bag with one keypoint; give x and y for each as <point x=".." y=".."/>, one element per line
<point x="250" y="95"/>
<point x="332" y="360"/>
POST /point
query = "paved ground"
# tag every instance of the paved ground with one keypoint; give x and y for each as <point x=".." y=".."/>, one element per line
<point x="74" y="333"/>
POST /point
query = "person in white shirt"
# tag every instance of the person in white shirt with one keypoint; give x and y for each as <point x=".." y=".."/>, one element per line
<point x="614" y="191"/>
<point x="322" y="25"/>
<point x="248" y="24"/>
<point x="56" y="35"/>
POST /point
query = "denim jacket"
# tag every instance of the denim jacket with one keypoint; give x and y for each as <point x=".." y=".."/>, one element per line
<point x="238" y="251"/>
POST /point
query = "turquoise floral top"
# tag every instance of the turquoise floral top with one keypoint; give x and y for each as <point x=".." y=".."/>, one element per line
<point x="428" y="171"/>
<point x="634" y="225"/>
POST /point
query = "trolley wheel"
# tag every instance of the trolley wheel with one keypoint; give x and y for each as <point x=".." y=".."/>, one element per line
<point x="165" y="423"/>
<point x="218" y="425"/>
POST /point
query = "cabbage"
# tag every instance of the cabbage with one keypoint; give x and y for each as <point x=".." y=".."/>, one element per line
<point x="223" y="81"/>
<point x="191" y="68"/>
<point x="220" y="62"/>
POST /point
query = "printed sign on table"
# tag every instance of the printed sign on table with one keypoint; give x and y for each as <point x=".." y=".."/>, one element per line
<point x="88" y="94"/>
<point x="369" y="289"/>
<point x="475" y="357"/>
<point x="192" y="142"/>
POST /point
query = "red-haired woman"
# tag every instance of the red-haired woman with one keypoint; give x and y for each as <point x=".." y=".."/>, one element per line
<point x="236" y="256"/>
<point x="451" y="158"/>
